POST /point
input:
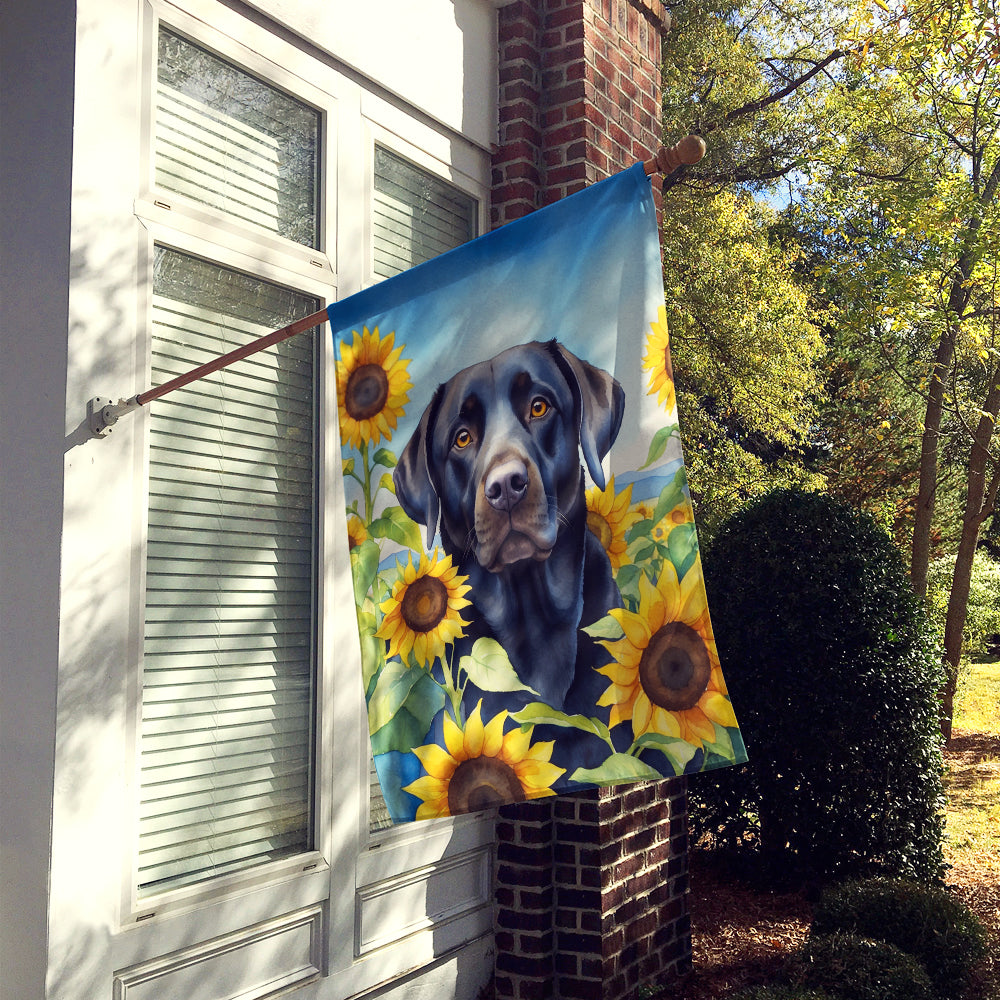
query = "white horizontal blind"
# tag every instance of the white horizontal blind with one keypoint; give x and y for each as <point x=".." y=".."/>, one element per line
<point x="228" y="658"/>
<point x="228" y="140"/>
<point x="416" y="215"/>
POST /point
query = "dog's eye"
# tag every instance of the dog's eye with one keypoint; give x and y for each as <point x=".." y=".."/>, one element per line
<point x="539" y="407"/>
<point x="463" y="439"/>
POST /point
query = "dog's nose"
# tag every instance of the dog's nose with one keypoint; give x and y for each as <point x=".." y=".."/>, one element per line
<point x="507" y="484"/>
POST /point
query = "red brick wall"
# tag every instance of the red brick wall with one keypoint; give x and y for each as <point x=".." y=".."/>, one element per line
<point x="579" y="96"/>
<point x="591" y="890"/>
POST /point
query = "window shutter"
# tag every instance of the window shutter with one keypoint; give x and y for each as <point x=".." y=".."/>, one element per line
<point x="232" y="142"/>
<point x="228" y="657"/>
<point x="416" y="216"/>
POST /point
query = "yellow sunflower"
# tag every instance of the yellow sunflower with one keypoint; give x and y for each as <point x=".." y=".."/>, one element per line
<point x="609" y="517"/>
<point x="356" y="531"/>
<point x="422" y="613"/>
<point x="681" y="514"/>
<point x="667" y="677"/>
<point x="372" y="384"/>
<point x="481" y="766"/>
<point x="657" y="362"/>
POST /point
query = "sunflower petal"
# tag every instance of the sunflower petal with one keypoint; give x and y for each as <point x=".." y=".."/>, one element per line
<point x="436" y="760"/>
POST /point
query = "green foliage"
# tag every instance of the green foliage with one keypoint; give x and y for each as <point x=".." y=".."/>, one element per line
<point x="983" y="611"/>
<point x="857" y="968"/>
<point x="782" y="992"/>
<point x="926" y="922"/>
<point x="747" y="355"/>
<point x="833" y="672"/>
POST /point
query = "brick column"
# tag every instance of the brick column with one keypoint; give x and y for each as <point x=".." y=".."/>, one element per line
<point x="591" y="889"/>
<point x="579" y="96"/>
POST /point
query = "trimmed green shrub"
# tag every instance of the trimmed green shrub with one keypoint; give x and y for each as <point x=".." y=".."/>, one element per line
<point x="924" y="921"/>
<point x="782" y="993"/>
<point x="857" y="968"/>
<point x="834" y="672"/>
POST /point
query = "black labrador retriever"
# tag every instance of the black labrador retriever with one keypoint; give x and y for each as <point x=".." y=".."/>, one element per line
<point x="496" y="460"/>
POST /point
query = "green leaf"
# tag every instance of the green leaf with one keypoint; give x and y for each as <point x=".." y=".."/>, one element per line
<point x="395" y="525"/>
<point x="679" y="752"/>
<point x="722" y="745"/>
<point x="404" y="733"/>
<point x="387" y="483"/>
<point x="400" y="688"/>
<point x="605" y="628"/>
<point x="540" y="714"/>
<point x="671" y="495"/>
<point x="372" y="648"/>
<point x="490" y="669"/>
<point x="682" y="546"/>
<point x="618" y="768"/>
<point x="364" y="568"/>
<point x="348" y="466"/>
<point x="628" y="576"/>
<point x="640" y="550"/>
<point x="639" y="530"/>
<point x="659" y="444"/>
<point x="385" y="458"/>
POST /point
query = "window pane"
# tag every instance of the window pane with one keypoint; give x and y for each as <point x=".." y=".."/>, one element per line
<point x="228" y="658"/>
<point x="228" y="140"/>
<point x="417" y="215"/>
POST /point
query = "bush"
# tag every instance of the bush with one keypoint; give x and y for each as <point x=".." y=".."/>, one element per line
<point x="925" y="922"/>
<point x="856" y="968"/>
<point x="834" y="673"/>
<point x="782" y="993"/>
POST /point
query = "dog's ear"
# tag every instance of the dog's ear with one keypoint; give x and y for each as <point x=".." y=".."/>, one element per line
<point x="415" y="490"/>
<point x="601" y="401"/>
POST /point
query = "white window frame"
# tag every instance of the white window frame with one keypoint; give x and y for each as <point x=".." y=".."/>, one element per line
<point x="352" y="874"/>
<point x="180" y="224"/>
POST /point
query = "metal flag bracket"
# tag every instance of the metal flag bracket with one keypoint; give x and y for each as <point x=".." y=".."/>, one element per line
<point x="103" y="413"/>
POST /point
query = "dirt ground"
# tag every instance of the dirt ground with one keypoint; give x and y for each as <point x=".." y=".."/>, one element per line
<point x="741" y="936"/>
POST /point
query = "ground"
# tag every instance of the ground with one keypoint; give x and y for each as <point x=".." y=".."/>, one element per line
<point x="742" y="935"/>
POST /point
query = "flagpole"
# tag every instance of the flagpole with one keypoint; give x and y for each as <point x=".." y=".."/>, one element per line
<point x="103" y="413"/>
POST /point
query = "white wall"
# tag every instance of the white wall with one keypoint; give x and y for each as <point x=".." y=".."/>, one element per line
<point x="71" y="290"/>
<point x="36" y="108"/>
<point x="415" y="49"/>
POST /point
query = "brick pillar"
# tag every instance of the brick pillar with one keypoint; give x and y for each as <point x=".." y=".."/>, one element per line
<point x="579" y="96"/>
<point x="591" y="889"/>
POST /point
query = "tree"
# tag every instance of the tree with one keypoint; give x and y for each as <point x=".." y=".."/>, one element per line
<point x="747" y="352"/>
<point x="747" y="356"/>
<point x="913" y="184"/>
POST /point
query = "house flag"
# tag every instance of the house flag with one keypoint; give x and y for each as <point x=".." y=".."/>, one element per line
<point x="530" y="600"/>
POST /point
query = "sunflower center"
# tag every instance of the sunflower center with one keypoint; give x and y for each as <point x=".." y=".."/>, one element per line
<point x="367" y="391"/>
<point x="675" y="667"/>
<point x="482" y="782"/>
<point x="599" y="526"/>
<point x="424" y="604"/>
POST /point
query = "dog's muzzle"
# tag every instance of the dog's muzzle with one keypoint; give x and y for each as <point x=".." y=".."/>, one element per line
<point x="513" y="520"/>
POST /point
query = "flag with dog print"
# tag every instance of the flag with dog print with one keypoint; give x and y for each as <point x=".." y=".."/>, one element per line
<point x="530" y="601"/>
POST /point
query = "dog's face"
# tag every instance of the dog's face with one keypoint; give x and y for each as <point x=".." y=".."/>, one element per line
<point x="496" y="455"/>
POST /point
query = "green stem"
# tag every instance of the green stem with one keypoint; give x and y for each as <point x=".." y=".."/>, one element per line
<point x="366" y="486"/>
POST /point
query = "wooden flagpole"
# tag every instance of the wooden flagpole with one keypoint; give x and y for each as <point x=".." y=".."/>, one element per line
<point x="102" y="413"/>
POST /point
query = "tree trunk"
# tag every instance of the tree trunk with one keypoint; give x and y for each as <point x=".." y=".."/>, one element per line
<point x="920" y="553"/>
<point x="979" y="500"/>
